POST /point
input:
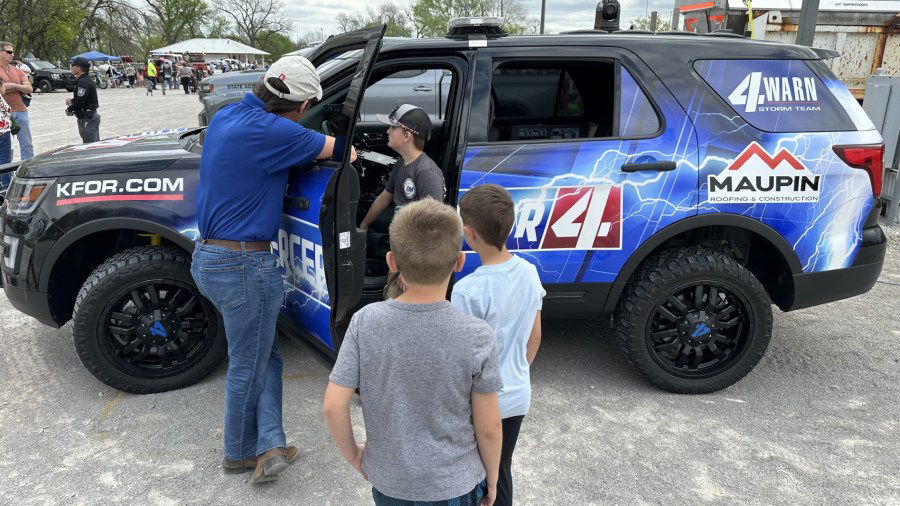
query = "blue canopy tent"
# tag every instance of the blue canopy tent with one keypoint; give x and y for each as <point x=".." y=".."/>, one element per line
<point x="96" y="56"/>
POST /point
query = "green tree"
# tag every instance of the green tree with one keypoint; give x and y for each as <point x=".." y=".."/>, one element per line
<point x="395" y="17"/>
<point x="643" y="23"/>
<point x="253" y="17"/>
<point x="176" y="20"/>
<point x="276" y="44"/>
<point x="431" y="18"/>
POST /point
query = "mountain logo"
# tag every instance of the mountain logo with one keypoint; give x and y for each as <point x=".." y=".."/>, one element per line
<point x="756" y="176"/>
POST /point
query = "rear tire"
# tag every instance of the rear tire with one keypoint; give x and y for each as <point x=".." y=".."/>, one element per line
<point x="141" y="325"/>
<point x="693" y="320"/>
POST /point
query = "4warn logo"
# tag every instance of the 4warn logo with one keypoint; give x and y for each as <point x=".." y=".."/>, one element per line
<point x="756" y="176"/>
<point x="759" y="93"/>
<point x="581" y="217"/>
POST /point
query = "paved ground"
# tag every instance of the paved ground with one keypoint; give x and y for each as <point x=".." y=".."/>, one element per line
<point x="122" y="111"/>
<point x="817" y="422"/>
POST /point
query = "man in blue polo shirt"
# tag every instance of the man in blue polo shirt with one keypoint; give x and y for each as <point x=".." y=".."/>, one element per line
<point x="247" y="153"/>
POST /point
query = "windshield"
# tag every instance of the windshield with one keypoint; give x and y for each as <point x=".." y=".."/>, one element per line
<point x="39" y="64"/>
<point x="338" y="60"/>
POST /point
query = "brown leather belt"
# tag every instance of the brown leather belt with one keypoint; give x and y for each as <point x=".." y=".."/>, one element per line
<point x="236" y="245"/>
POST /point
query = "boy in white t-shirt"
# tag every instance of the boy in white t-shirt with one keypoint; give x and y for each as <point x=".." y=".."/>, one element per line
<point x="505" y="292"/>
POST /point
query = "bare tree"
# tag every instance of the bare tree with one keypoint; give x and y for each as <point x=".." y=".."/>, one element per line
<point x="252" y="17"/>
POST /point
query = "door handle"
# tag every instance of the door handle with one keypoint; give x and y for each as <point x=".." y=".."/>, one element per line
<point x="652" y="166"/>
<point x="301" y="203"/>
<point x="422" y="88"/>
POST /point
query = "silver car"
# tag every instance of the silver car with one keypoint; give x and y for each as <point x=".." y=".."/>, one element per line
<point x="428" y="89"/>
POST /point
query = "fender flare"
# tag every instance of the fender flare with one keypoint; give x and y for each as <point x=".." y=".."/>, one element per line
<point x="102" y="225"/>
<point x="701" y="221"/>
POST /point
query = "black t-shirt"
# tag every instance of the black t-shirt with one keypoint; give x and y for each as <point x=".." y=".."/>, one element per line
<point x="419" y="179"/>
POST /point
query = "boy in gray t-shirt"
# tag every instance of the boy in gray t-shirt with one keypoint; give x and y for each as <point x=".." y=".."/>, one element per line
<point x="415" y="176"/>
<point x="428" y="376"/>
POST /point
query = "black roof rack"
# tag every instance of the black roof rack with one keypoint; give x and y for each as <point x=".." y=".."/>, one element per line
<point x="678" y="32"/>
<point x="724" y="32"/>
<point x="584" y="32"/>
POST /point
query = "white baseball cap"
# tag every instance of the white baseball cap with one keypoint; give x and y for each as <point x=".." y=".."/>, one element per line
<point x="300" y="77"/>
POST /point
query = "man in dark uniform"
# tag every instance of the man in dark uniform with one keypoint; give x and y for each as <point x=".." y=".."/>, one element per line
<point x="83" y="105"/>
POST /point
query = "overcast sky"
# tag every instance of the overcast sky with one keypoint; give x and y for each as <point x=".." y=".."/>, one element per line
<point x="315" y="15"/>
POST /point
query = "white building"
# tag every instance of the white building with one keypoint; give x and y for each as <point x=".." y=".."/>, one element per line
<point x="215" y="49"/>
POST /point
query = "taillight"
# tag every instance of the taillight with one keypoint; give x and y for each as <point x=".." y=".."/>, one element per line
<point x="869" y="158"/>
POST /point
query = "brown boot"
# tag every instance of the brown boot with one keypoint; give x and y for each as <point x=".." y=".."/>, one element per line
<point x="291" y="453"/>
<point x="268" y="465"/>
<point x="238" y="466"/>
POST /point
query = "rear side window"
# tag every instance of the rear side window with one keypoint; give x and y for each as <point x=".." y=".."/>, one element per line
<point x="560" y="100"/>
<point x="776" y="95"/>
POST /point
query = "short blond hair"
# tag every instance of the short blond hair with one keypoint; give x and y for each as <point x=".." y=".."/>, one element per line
<point x="426" y="238"/>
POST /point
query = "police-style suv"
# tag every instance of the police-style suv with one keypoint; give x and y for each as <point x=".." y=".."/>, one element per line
<point x="677" y="185"/>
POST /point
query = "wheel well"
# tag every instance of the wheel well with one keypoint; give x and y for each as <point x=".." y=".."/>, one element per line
<point x="79" y="260"/>
<point x="751" y="249"/>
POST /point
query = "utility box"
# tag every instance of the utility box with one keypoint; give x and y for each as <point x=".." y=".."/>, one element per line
<point x="882" y="104"/>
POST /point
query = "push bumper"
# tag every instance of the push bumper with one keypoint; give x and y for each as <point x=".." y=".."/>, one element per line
<point x="30" y="302"/>
<point x="814" y="288"/>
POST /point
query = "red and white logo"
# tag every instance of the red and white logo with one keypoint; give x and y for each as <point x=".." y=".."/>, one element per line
<point x="585" y="217"/>
<point x="756" y="176"/>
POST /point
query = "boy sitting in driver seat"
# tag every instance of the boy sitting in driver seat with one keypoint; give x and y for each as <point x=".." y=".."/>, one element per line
<point x="414" y="177"/>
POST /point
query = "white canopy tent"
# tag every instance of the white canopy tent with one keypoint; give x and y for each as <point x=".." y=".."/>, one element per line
<point x="215" y="49"/>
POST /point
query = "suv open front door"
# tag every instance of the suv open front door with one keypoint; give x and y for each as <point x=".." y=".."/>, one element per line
<point x="319" y="245"/>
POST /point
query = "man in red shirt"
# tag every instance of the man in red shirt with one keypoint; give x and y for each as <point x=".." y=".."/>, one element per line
<point x="15" y="84"/>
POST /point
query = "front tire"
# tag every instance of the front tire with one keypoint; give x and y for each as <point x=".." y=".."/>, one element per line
<point x="693" y="320"/>
<point x="142" y="326"/>
<point x="45" y="86"/>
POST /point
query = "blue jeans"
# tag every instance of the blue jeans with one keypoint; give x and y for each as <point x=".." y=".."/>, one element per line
<point x="248" y="290"/>
<point x="5" y="148"/>
<point x="26" y="150"/>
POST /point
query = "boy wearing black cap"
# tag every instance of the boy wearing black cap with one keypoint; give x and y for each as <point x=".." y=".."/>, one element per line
<point x="414" y="177"/>
<point x="83" y="104"/>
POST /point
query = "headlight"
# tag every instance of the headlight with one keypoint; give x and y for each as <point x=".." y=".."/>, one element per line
<point x="24" y="195"/>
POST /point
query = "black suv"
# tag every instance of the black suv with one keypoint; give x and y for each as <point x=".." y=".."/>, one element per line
<point x="677" y="185"/>
<point x="46" y="77"/>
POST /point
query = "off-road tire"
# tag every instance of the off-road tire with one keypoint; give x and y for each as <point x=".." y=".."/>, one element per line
<point x="670" y="270"/>
<point x="122" y="269"/>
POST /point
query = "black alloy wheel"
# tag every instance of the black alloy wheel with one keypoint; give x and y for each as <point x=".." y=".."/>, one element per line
<point x="693" y="320"/>
<point x="158" y="328"/>
<point x="699" y="330"/>
<point x="142" y="326"/>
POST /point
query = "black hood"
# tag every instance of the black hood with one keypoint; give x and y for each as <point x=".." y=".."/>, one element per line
<point x="147" y="151"/>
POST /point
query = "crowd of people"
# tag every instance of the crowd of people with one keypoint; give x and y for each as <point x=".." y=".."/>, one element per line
<point x="444" y="385"/>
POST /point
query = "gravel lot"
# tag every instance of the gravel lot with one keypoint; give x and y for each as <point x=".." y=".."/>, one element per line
<point x="817" y="422"/>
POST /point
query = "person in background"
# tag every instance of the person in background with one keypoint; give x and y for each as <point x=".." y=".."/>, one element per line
<point x="152" y="72"/>
<point x="83" y="104"/>
<point x="130" y="75"/>
<point x="506" y="292"/>
<point x="15" y="87"/>
<point x="5" y="139"/>
<point x="184" y="75"/>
